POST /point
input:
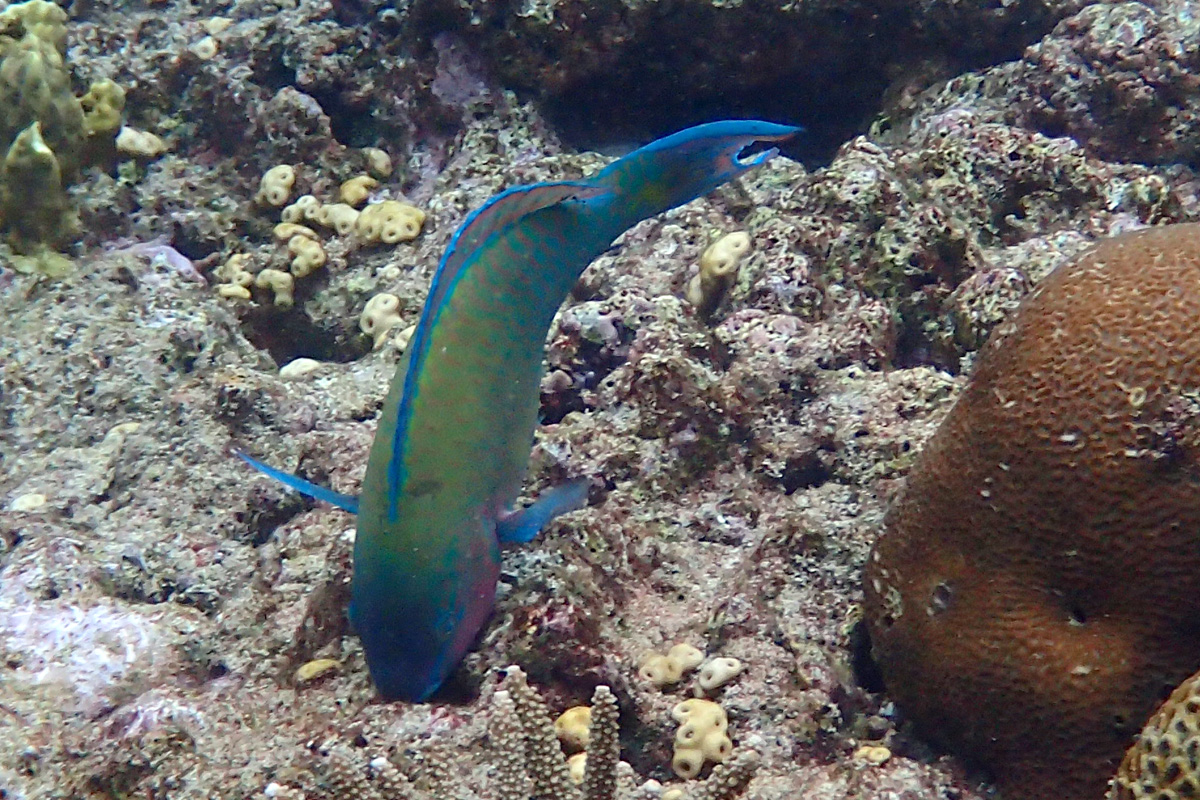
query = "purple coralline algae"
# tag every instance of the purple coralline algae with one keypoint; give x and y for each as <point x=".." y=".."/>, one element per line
<point x="157" y="599"/>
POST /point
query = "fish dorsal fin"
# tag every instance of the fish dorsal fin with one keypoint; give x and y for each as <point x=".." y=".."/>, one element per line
<point x="495" y="215"/>
<point x="498" y="214"/>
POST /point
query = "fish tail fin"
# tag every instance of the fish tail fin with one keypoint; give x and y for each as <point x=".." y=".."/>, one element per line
<point x="342" y="501"/>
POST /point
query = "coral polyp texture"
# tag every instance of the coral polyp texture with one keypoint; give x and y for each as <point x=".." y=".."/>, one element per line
<point x="1164" y="762"/>
<point x="1036" y="589"/>
<point x="531" y="763"/>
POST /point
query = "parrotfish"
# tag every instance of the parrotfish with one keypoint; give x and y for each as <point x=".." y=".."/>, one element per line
<point x="454" y="437"/>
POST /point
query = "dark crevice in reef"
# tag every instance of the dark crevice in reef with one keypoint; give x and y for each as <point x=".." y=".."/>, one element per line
<point x="352" y="122"/>
<point x="624" y="73"/>
<point x="293" y="334"/>
<point x="866" y="671"/>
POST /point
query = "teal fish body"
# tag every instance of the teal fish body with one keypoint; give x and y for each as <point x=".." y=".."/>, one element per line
<point x="447" y="462"/>
<point x="454" y="436"/>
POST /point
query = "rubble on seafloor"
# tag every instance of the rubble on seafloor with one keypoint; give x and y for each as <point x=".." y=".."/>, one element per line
<point x="172" y="624"/>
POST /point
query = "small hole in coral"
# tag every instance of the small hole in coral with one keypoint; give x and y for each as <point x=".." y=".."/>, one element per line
<point x="940" y="600"/>
<point x="1076" y="616"/>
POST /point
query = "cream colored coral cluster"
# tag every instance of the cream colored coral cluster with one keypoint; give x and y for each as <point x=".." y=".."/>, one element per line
<point x="702" y="736"/>
<point x="380" y="316"/>
<point x="386" y="222"/>
<point x="667" y="669"/>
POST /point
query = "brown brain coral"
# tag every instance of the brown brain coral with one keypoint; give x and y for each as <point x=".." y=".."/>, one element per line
<point x="1036" y="593"/>
<point x="1164" y="762"/>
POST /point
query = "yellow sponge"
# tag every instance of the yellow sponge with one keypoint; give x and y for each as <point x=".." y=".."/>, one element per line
<point x="717" y="672"/>
<point x="381" y="314"/>
<point x="390" y="222"/>
<point x="701" y="736"/>
<point x="572" y="725"/>
<point x="379" y="163"/>
<point x="339" y="216"/>
<point x="284" y="231"/>
<point x="718" y="271"/>
<point x="307" y="255"/>
<point x="355" y="191"/>
<point x="577" y="767"/>
<point x="139" y="144"/>
<point x="235" y="277"/>
<point x="102" y="107"/>
<point x="276" y="185"/>
<point x="665" y="670"/>
<point x="281" y="283"/>
<point x="306" y="208"/>
<point x="40" y="19"/>
<point x="33" y="203"/>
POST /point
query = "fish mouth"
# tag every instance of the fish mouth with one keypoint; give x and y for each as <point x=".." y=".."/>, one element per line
<point x="755" y="152"/>
<point x="748" y="156"/>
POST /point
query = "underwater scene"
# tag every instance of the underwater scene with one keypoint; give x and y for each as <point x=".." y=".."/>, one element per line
<point x="599" y="400"/>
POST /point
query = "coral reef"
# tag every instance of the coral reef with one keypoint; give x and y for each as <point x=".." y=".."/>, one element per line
<point x="178" y="616"/>
<point x="532" y="764"/>
<point x="665" y="669"/>
<point x="1000" y="600"/>
<point x="702" y="736"/>
<point x="711" y="58"/>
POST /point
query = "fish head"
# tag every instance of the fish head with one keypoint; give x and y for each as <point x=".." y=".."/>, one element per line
<point x="418" y="609"/>
<point x="685" y="165"/>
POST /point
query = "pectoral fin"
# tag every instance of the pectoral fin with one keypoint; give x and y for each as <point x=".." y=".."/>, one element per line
<point x="523" y="524"/>
<point x="343" y="501"/>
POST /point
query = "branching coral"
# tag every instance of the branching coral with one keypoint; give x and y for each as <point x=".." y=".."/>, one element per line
<point x="532" y="763"/>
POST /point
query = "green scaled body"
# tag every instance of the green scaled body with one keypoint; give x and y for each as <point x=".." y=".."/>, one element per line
<point x="453" y="442"/>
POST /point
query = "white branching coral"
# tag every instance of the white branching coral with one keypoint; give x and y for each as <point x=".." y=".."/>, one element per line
<point x="604" y="747"/>
<point x="343" y="774"/>
<point x="531" y="743"/>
